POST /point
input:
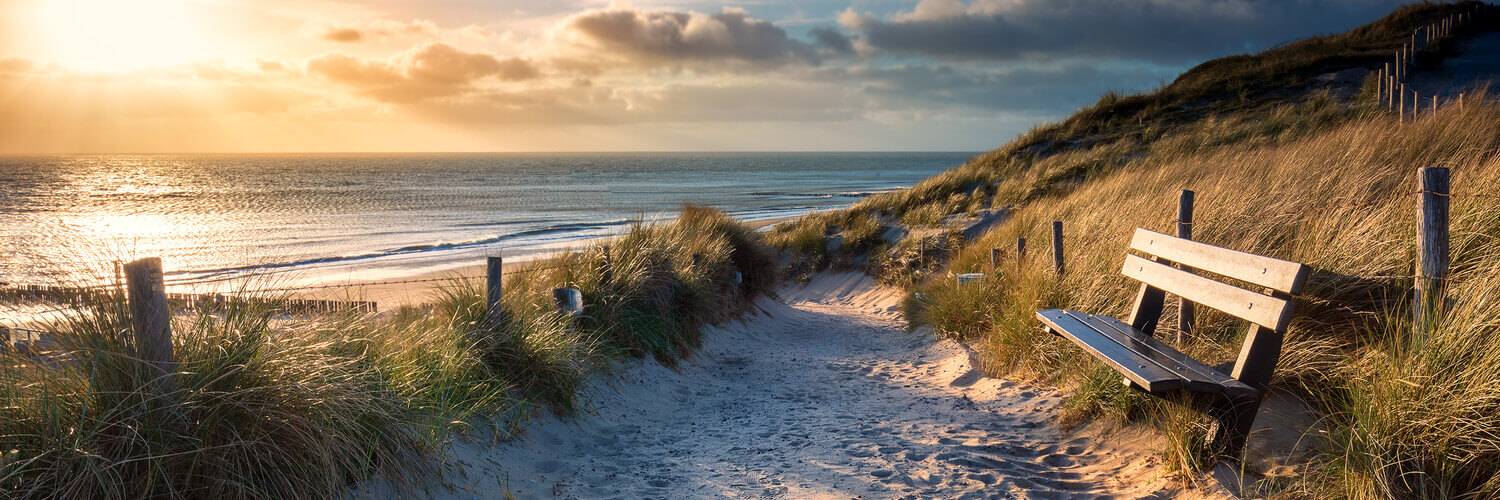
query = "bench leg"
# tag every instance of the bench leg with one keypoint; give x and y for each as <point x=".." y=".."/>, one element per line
<point x="1236" y="416"/>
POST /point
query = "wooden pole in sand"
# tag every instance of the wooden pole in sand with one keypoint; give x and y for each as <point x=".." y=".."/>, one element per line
<point x="1184" y="231"/>
<point x="1020" y="252"/>
<point x="1057" y="247"/>
<point x="151" y="319"/>
<point x="1432" y="246"/>
<point x="493" y="272"/>
<point x="1380" y="85"/>
<point x="1401" y="115"/>
<point x="1434" y="105"/>
<point x="1390" y="92"/>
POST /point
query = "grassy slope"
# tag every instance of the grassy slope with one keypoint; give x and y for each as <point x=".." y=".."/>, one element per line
<point x="276" y="409"/>
<point x="1279" y="169"/>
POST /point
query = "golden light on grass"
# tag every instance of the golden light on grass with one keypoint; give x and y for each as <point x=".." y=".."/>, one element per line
<point x="109" y="36"/>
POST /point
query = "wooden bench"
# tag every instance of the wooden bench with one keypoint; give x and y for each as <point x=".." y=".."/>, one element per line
<point x="1151" y="365"/>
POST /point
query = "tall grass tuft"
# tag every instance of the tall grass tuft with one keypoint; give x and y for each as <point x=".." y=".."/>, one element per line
<point x="258" y="413"/>
<point x="275" y="406"/>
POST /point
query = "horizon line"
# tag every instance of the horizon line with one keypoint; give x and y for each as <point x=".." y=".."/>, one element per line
<point x="665" y="151"/>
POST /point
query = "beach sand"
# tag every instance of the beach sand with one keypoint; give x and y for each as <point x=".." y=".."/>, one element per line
<point x="824" y="395"/>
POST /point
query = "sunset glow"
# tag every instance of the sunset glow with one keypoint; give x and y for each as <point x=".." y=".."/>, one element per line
<point x="89" y="35"/>
<point x="100" y="76"/>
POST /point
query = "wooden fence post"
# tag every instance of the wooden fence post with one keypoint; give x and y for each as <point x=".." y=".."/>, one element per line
<point x="994" y="258"/>
<point x="1184" y="231"/>
<point x="492" y="288"/>
<point x="1401" y="115"/>
<point x="1380" y="84"/>
<point x="1434" y="105"/>
<point x="1057" y="247"/>
<point x="1432" y="246"/>
<point x="1020" y="252"/>
<point x="1390" y="92"/>
<point x="151" y="318"/>
<point x="569" y="301"/>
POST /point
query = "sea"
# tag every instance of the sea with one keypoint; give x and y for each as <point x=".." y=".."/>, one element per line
<point x="319" y="218"/>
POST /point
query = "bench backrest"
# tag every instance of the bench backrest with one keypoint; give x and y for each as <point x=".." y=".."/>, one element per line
<point x="1270" y="308"/>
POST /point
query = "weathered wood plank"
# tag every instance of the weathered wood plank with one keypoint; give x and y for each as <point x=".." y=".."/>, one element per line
<point x="1258" y="357"/>
<point x="1239" y="302"/>
<point x="1282" y="275"/>
<point x="1138" y="369"/>
<point x="1200" y="377"/>
<point x="1147" y="310"/>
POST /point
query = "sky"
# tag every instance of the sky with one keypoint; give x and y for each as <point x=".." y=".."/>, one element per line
<point x="261" y="76"/>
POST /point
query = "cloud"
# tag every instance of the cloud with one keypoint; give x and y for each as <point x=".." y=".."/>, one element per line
<point x="426" y="71"/>
<point x="660" y="36"/>
<point x="832" y="40"/>
<point x="344" y="35"/>
<point x="387" y="28"/>
<point x="1021" y="88"/>
<point x="1162" y="31"/>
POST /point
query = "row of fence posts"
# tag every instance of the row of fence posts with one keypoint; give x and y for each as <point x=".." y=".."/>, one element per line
<point x="569" y="301"/>
<point x="1390" y="84"/>
<point x="1429" y="289"/>
<point x="151" y="316"/>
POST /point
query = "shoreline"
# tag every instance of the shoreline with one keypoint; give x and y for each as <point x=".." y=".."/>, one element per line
<point x="421" y="287"/>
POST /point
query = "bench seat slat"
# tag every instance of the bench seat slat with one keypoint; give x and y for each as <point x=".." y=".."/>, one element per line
<point x="1200" y="376"/>
<point x="1264" y="310"/>
<point x="1144" y="372"/>
<point x="1281" y="275"/>
<point x="1148" y="362"/>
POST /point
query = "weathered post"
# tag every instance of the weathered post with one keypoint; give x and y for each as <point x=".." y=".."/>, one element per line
<point x="1020" y="252"/>
<point x="569" y="301"/>
<point x="1432" y="246"/>
<point x="1401" y="105"/>
<point x="1184" y="231"/>
<point x="492" y="288"/>
<point x="151" y="318"/>
<point x="1057" y="247"/>
<point x="1390" y="92"/>
<point x="1460" y="101"/>
<point x="1434" y="105"/>
<point x="994" y="258"/>
<point x="1380" y="84"/>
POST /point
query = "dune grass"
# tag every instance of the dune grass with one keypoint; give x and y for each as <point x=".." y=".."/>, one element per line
<point x="1412" y="411"/>
<point x="270" y="406"/>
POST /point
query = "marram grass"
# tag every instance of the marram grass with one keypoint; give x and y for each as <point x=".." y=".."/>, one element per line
<point x="1412" y="411"/>
<point x="274" y="407"/>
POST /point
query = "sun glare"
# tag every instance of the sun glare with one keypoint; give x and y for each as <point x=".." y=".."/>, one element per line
<point x="112" y="36"/>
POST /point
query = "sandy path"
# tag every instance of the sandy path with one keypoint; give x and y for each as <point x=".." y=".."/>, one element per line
<point x="824" y="396"/>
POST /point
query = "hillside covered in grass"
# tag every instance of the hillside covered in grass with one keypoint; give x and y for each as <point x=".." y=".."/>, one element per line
<point x="1284" y="164"/>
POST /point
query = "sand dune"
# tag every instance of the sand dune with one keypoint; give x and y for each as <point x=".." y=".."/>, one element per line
<point x="823" y="395"/>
